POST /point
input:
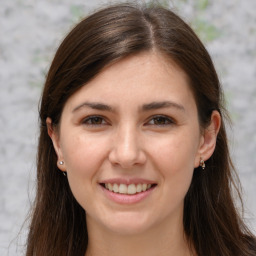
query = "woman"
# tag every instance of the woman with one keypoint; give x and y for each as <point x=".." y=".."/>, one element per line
<point x="132" y="115"/>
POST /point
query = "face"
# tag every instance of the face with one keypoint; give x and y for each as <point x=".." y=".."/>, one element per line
<point x="130" y="140"/>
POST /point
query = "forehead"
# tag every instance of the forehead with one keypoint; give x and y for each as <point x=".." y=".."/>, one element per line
<point x="137" y="79"/>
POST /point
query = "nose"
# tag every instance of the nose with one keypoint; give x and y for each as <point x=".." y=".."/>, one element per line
<point x="127" y="150"/>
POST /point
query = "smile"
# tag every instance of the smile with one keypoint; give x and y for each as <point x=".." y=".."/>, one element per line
<point x="126" y="189"/>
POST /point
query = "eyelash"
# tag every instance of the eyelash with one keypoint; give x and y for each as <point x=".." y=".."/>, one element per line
<point x="90" y="121"/>
<point x="165" y="119"/>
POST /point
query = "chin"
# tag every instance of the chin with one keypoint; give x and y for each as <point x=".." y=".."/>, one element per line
<point x="129" y="224"/>
<point x="127" y="230"/>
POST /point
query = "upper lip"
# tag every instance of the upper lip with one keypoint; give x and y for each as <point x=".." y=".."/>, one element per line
<point x="127" y="181"/>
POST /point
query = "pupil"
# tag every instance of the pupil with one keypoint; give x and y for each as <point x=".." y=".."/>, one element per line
<point x="159" y="120"/>
<point x="96" y="120"/>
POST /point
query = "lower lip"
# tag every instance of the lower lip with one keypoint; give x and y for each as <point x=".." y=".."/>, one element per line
<point x="127" y="199"/>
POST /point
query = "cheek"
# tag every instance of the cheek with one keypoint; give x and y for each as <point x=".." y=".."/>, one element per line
<point x="174" y="158"/>
<point x="83" y="156"/>
<point x="83" y="159"/>
<point x="176" y="153"/>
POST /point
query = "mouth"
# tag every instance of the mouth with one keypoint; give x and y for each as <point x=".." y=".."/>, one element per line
<point x="127" y="189"/>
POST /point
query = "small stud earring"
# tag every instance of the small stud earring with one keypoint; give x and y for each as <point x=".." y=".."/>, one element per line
<point x="202" y="163"/>
<point x="61" y="163"/>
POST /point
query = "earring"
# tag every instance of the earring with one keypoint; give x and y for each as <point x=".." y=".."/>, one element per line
<point x="202" y="163"/>
<point x="61" y="163"/>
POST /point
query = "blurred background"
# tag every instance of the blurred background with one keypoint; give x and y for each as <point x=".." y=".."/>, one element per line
<point x="31" y="30"/>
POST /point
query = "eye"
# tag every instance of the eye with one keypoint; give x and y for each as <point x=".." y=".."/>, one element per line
<point x="160" y="121"/>
<point x="94" y="121"/>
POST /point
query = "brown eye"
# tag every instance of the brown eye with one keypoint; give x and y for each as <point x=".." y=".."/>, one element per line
<point x="160" y="121"/>
<point x="94" y="120"/>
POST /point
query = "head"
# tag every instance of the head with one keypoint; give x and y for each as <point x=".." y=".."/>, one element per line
<point x="103" y="39"/>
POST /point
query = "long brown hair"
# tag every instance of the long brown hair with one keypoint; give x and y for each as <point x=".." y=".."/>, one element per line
<point x="212" y="223"/>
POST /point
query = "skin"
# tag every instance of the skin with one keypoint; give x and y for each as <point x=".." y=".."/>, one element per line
<point x="127" y="139"/>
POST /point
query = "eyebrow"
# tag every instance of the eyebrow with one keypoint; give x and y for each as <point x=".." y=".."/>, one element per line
<point x="145" y="107"/>
<point x="94" y="105"/>
<point x="162" y="104"/>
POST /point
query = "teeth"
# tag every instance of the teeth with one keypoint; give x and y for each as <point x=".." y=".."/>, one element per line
<point x="115" y="188"/>
<point x="130" y="189"/>
<point x="139" y="188"/>
<point x="122" y="189"/>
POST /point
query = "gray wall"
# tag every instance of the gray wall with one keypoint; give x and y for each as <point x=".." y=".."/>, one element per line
<point x="30" y="31"/>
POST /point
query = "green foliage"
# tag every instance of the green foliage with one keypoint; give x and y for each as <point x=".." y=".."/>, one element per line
<point x="38" y="84"/>
<point x="205" y="30"/>
<point x="202" y="4"/>
<point x="163" y="3"/>
<point x="76" y="12"/>
<point x="229" y="102"/>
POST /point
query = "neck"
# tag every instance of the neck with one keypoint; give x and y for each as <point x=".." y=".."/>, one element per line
<point x="160" y="240"/>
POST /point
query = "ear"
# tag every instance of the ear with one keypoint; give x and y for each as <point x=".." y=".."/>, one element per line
<point x="54" y="135"/>
<point x="208" y="138"/>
